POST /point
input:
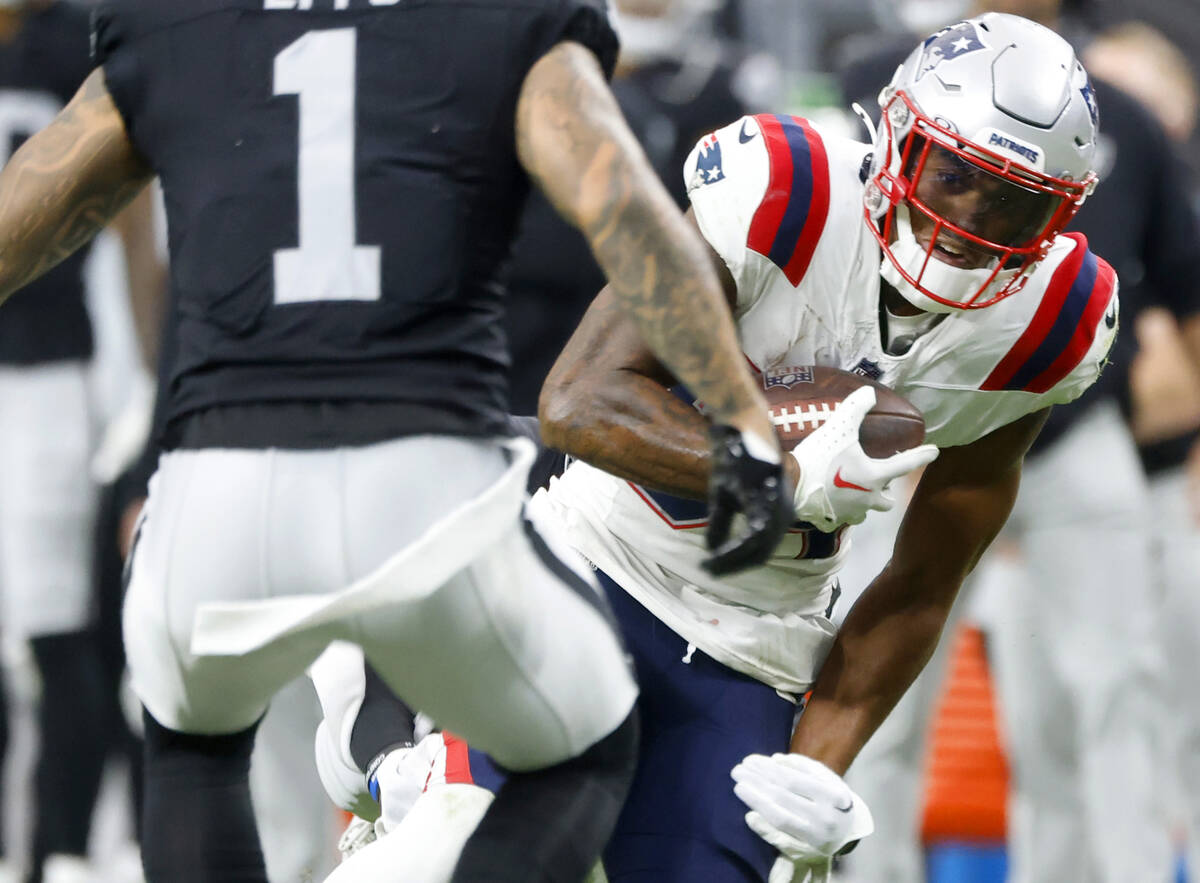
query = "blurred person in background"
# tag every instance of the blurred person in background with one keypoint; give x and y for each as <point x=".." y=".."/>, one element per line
<point x="1075" y="646"/>
<point x="1166" y="423"/>
<point x="1178" y="19"/>
<point x="1144" y="63"/>
<point x="1165" y="388"/>
<point x="47" y="493"/>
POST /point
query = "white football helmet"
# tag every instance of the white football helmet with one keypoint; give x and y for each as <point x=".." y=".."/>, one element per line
<point x="983" y="155"/>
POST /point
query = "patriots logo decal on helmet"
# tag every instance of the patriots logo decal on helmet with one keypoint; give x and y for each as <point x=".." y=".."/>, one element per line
<point x="1089" y="98"/>
<point x="950" y="43"/>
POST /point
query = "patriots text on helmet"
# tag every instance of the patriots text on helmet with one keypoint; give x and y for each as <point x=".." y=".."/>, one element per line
<point x="1030" y="153"/>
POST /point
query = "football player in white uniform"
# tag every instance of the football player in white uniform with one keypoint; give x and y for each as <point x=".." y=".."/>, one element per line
<point x="1068" y="602"/>
<point x="933" y="261"/>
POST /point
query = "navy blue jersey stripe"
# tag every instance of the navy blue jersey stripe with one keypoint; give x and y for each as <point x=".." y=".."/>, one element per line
<point x="820" y="544"/>
<point x="678" y="509"/>
<point x="1059" y="336"/>
<point x="800" y="199"/>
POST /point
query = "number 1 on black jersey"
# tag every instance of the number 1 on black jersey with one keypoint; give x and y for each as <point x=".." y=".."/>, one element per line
<point x="320" y="68"/>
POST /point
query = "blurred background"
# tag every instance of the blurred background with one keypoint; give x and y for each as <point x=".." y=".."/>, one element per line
<point x="972" y="781"/>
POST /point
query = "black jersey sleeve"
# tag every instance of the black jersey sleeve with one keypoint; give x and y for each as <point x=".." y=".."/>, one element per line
<point x="583" y="21"/>
<point x="112" y="51"/>
<point x="56" y="44"/>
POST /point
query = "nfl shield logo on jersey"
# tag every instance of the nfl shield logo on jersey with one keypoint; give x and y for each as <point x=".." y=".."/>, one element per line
<point x="787" y="377"/>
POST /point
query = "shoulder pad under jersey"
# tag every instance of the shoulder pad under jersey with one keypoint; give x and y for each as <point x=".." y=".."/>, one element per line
<point x="761" y="184"/>
<point x="1066" y="341"/>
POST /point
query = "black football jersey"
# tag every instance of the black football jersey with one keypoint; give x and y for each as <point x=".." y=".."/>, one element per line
<point x="1139" y="219"/>
<point x="341" y="185"/>
<point x="39" y="72"/>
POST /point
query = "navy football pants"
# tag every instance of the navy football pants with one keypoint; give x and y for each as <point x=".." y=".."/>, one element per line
<point x="682" y="822"/>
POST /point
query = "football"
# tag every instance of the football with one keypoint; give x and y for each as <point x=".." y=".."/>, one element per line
<point x="800" y="398"/>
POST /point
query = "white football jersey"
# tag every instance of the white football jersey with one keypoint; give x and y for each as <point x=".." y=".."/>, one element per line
<point x="782" y="204"/>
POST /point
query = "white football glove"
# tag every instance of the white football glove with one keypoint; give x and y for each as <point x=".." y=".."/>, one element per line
<point x="786" y="871"/>
<point x="839" y="483"/>
<point x="803" y="809"/>
<point x="404" y="775"/>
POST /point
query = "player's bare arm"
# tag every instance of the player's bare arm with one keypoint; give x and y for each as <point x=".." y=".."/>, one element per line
<point x="572" y="139"/>
<point x="960" y="504"/>
<point x="607" y="401"/>
<point x="65" y="184"/>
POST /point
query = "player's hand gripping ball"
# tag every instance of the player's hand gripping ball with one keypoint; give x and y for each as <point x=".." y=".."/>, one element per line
<point x="851" y="437"/>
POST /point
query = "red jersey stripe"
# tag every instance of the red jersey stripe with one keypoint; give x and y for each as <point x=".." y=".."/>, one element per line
<point x="769" y="214"/>
<point x="458" y="761"/>
<point x="658" y="510"/>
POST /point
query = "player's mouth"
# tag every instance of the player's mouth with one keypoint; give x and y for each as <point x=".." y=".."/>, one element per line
<point x="957" y="253"/>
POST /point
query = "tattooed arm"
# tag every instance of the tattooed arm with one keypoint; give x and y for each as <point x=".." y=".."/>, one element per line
<point x="607" y="401"/>
<point x="64" y="185"/>
<point x="572" y="139"/>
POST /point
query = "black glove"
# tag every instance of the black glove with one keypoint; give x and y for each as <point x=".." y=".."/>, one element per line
<point x="757" y="489"/>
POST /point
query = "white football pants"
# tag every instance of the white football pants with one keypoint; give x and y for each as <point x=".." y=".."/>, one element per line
<point x="1176" y="571"/>
<point x="47" y="499"/>
<point x="889" y="771"/>
<point x="296" y="821"/>
<point x="250" y="562"/>
<point x="1079" y="667"/>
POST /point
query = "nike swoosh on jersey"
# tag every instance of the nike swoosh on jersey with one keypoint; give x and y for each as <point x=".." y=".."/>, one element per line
<point x="838" y="481"/>
<point x="743" y="137"/>
<point x="845" y="808"/>
<point x="1110" y="318"/>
